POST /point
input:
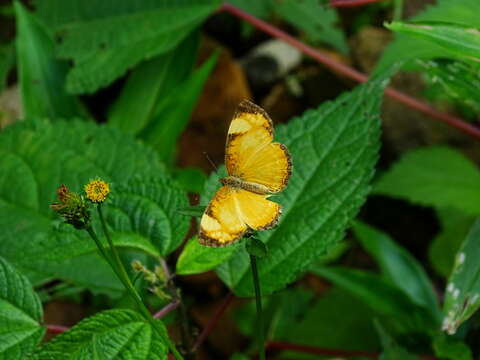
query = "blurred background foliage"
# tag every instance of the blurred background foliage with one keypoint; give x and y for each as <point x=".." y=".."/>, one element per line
<point x="137" y="92"/>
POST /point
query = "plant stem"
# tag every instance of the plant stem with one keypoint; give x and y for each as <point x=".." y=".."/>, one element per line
<point x="397" y="10"/>
<point x="117" y="265"/>
<point x="258" y="300"/>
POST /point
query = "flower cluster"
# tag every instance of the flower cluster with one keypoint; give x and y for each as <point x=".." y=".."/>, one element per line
<point x="97" y="191"/>
<point x="72" y="207"/>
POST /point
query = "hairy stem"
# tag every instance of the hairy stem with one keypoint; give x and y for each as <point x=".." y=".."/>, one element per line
<point x="117" y="266"/>
<point x="258" y="301"/>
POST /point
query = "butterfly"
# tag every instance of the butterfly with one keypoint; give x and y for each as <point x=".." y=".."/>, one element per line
<point x="257" y="167"/>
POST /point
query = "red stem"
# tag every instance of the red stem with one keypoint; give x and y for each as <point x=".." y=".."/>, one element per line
<point x="281" y="345"/>
<point x="167" y="309"/>
<point x="208" y="329"/>
<point x="352" y="73"/>
<point x="351" y="3"/>
<point x="57" y="329"/>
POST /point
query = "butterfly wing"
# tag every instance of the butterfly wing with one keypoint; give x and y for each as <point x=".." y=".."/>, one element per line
<point x="256" y="211"/>
<point x="231" y="212"/>
<point x="221" y="224"/>
<point x="250" y="153"/>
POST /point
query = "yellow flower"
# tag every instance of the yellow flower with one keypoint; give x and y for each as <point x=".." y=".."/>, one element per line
<point x="97" y="190"/>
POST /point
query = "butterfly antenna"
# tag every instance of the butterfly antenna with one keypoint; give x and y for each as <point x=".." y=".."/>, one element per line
<point x="210" y="161"/>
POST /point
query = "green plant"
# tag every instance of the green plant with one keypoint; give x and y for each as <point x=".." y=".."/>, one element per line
<point x="131" y="255"/>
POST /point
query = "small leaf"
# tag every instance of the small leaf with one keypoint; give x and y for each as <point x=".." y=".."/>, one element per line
<point x="172" y="114"/>
<point x="435" y="176"/>
<point x="20" y="314"/>
<point x="111" y="334"/>
<point x="149" y="83"/>
<point x="399" y="267"/>
<point x="407" y="48"/>
<point x="190" y="179"/>
<point x="41" y="76"/>
<point x="256" y="247"/>
<point x="447" y="347"/>
<point x="462" y="296"/>
<point x="455" y="226"/>
<point x="196" y="258"/>
<point x="458" y="40"/>
<point x="319" y="22"/>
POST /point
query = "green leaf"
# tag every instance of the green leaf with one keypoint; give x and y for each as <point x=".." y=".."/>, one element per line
<point x="455" y="80"/>
<point x="435" y="176"/>
<point x="256" y="247"/>
<point x="196" y="258"/>
<point x="149" y="83"/>
<point x="36" y="158"/>
<point x="313" y="324"/>
<point x="172" y="114"/>
<point x="148" y="207"/>
<point x="105" y="38"/>
<point x="391" y="350"/>
<point x="194" y="211"/>
<point x="319" y="22"/>
<point x="20" y="314"/>
<point x="382" y="297"/>
<point x="447" y="347"/>
<point x="41" y="76"/>
<point x="113" y="334"/>
<point x="334" y="150"/>
<point x="7" y="60"/>
<point x="457" y="40"/>
<point x="455" y="226"/>
<point x="399" y="267"/>
<point x="463" y="290"/>
<point x="407" y="48"/>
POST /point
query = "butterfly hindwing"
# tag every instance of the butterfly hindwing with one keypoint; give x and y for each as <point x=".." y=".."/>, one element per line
<point x="232" y="211"/>
<point x="256" y="211"/>
<point x="221" y="223"/>
<point x="250" y="153"/>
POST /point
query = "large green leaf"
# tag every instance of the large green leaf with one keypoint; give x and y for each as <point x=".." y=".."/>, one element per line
<point x="334" y="150"/>
<point x="105" y="38"/>
<point x="462" y="297"/>
<point x="404" y="47"/>
<point x="436" y="176"/>
<point x="20" y="314"/>
<point x="382" y="297"/>
<point x="457" y="40"/>
<point x="41" y="76"/>
<point x="174" y="111"/>
<point x="149" y="83"/>
<point x="113" y="334"/>
<point x="36" y="158"/>
<point x="399" y="267"/>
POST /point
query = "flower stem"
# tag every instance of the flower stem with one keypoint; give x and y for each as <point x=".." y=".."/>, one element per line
<point x="258" y="300"/>
<point x="117" y="266"/>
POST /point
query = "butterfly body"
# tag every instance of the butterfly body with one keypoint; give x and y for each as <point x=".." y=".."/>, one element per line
<point x="256" y="167"/>
<point x="237" y="182"/>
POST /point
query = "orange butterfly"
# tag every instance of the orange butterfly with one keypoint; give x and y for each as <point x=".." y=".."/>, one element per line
<point x="257" y="167"/>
